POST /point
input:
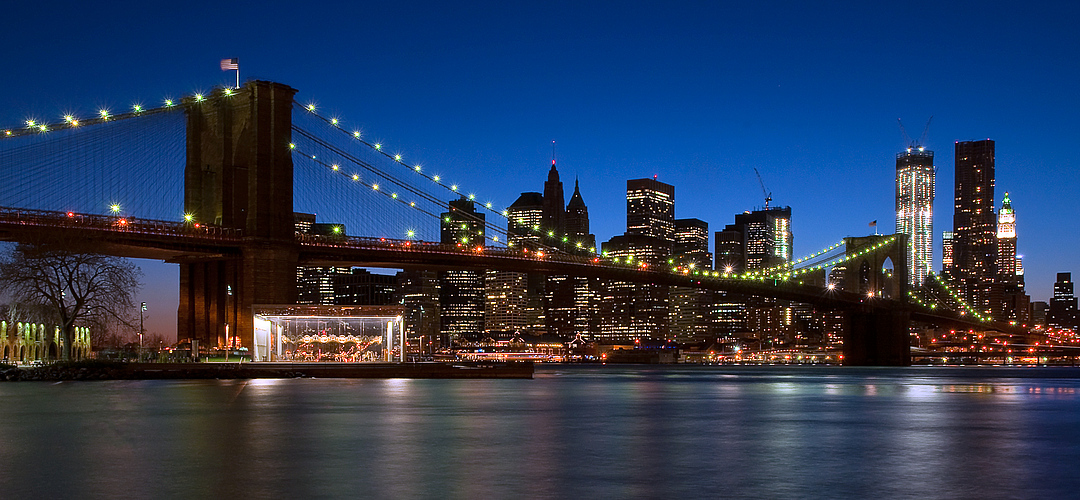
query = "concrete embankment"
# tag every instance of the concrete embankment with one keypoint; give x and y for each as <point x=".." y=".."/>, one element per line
<point x="93" y="370"/>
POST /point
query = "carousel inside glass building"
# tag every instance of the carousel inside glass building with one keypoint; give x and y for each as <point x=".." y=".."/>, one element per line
<point x="329" y="333"/>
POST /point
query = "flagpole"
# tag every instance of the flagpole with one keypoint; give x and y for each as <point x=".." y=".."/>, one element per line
<point x="238" y="75"/>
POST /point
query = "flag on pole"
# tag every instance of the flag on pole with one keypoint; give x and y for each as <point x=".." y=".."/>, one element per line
<point x="230" y="64"/>
<point x="873" y="223"/>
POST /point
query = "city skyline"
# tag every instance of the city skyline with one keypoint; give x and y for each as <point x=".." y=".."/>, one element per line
<point x="698" y="96"/>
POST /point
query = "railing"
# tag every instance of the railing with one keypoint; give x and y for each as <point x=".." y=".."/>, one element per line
<point x="116" y="223"/>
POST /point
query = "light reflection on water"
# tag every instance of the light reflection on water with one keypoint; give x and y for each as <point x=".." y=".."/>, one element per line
<point x="606" y="432"/>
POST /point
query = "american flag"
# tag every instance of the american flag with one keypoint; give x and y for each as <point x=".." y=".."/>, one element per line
<point x="873" y="223"/>
<point x="230" y="64"/>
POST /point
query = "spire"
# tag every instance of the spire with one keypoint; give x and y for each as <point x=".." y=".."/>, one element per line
<point x="575" y="200"/>
<point x="1006" y="204"/>
<point x="553" y="155"/>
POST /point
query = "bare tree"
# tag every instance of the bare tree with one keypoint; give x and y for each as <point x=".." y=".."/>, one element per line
<point x="74" y="283"/>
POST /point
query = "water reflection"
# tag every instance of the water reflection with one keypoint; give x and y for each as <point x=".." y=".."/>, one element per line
<point x="573" y="432"/>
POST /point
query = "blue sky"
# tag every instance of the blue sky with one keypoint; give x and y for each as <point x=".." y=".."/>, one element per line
<point x="699" y="94"/>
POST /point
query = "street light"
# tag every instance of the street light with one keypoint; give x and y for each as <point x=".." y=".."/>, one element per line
<point x="142" y="307"/>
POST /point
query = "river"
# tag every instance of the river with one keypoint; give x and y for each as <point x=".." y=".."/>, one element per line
<point x="572" y="432"/>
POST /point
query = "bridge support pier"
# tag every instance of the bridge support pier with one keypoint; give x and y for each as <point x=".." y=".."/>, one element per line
<point x="877" y="338"/>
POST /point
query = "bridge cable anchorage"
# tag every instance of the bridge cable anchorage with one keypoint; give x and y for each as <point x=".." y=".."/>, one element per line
<point x="336" y="123"/>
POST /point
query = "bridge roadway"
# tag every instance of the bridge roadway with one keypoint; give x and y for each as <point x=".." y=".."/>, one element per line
<point x="178" y="241"/>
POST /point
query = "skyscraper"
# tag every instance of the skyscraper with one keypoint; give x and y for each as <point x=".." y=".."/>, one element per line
<point x="946" y="252"/>
<point x="632" y="310"/>
<point x="650" y="208"/>
<point x="914" y="209"/>
<point x="577" y="221"/>
<point x="585" y="289"/>
<point x="691" y="243"/>
<point x="760" y="239"/>
<point x="974" y="267"/>
<point x="1062" y="312"/>
<point x="1016" y="304"/>
<point x="757" y="240"/>
<point x="526" y="216"/>
<point x="1006" y="244"/>
<point x="690" y="306"/>
<point x="554" y="210"/>
<point x="315" y="285"/>
<point x="461" y="293"/>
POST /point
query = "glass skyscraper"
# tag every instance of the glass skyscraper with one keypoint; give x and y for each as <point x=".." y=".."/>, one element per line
<point x="914" y="209"/>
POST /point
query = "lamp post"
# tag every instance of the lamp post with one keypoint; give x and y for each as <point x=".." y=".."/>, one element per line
<point x="142" y="307"/>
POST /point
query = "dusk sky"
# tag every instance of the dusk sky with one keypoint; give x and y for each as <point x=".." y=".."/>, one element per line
<point x="699" y="94"/>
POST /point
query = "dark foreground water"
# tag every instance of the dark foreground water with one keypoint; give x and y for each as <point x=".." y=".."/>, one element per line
<point x="573" y="432"/>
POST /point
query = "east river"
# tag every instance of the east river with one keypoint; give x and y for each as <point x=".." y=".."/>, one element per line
<point x="572" y="432"/>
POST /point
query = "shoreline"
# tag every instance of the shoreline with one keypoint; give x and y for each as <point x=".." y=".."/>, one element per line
<point x="95" y="370"/>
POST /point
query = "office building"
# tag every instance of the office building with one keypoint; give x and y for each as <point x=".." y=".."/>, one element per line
<point x="650" y="208"/>
<point x="974" y="245"/>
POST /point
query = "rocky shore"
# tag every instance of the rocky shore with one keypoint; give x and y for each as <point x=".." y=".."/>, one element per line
<point x="103" y="370"/>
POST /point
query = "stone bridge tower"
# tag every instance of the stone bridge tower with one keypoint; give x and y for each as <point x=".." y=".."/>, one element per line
<point x="878" y="337"/>
<point x="239" y="175"/>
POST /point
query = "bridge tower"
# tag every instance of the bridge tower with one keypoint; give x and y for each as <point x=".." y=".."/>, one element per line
<point x="239" y="174"/>
<point x="877" y="338"/>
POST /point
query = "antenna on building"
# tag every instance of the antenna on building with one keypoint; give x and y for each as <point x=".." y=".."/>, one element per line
<point x="553" y="153"/>
<point x="764" y="192"/>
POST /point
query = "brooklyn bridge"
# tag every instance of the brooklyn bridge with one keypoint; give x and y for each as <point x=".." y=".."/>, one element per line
<point x="217" y="197"/>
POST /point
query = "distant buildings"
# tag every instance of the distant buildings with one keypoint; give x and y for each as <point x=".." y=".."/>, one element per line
<point x="915" y="174"/>
<point x="760" y="239"/>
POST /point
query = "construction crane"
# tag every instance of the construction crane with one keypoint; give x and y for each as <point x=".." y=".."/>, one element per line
<point x="764" y="192"/>
<point x="919" y="144"/>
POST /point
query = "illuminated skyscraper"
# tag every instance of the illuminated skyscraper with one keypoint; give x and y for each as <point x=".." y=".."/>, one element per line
<point x="757" y="240"/>
<point x="631" y="310"/>
<point x="946" y="252"/>
<point x="650" y="208"/>
<point x="585" y="289"/>
<point x="1062" y="312"/>
<point x="526" y="215"/>
<point x="690" y="306"/>
<point x="315" y="285"/>
<point x="914" y="209"/>
<point x="461" y="293"/>
<point x="1006" y="243"/>
<point x="974" y="263"/>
